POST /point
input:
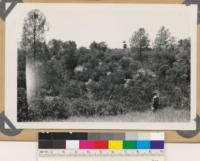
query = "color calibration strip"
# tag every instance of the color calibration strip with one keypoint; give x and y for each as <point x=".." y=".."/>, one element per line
<point x="110" y="141"/>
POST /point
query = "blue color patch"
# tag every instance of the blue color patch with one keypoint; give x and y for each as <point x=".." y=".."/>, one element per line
<point x="143" y="144"/>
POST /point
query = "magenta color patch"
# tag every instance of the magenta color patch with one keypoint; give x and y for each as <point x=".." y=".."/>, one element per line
<point x="87" y="144"/>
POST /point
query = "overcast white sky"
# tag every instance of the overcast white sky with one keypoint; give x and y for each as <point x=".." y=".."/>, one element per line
<point x="112" y="23"/>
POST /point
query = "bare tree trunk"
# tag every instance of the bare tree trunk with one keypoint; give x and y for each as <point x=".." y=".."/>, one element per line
<point x="26" y="101"/>
<point x="34" y="60"/>
<point x="22" y="103"/>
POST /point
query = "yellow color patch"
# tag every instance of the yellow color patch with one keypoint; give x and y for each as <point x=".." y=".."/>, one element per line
<point x="115" y="144"/>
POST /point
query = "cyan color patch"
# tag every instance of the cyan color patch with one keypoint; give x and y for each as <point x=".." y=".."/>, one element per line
<point x="143" y="144"/>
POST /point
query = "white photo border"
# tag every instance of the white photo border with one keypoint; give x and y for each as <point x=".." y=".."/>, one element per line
<point x="11" y="86"/>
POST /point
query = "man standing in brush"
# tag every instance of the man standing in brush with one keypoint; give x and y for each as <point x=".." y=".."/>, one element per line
<point x="155" y="102"/>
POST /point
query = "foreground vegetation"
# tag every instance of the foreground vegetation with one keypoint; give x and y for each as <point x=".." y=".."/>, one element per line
<point x="163" y="115"/>
<point x="168" y="114"/>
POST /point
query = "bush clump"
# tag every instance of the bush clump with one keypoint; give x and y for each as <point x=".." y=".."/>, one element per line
<point x="48" y="107"/>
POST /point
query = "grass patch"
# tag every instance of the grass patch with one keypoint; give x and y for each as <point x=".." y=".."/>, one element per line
<point x="162" y="115"/>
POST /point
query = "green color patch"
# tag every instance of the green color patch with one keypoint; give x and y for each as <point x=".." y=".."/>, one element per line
<point x="129" y="144"/>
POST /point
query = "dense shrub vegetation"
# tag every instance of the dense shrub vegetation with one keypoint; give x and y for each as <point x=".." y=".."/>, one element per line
<point x="100" y="81"/>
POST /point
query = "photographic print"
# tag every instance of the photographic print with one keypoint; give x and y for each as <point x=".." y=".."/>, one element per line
<point x="101" y="66"/>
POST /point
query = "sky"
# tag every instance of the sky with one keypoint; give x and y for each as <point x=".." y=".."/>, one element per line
<point x="112" y="23"/>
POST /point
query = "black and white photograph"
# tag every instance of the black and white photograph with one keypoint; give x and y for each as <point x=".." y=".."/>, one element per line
<point x="102" y="65"/>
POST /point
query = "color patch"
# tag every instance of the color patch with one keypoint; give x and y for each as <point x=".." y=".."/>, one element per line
<point x="131" y="136"/>
<point x="69" y="136"/>
<point x="72" y="144"/>
<point x="143" y="136"/>
<point x="106" y="136"/>
<point x="144" y="144"/>
<point x="101" y="144"/>
<point x="157" y="144"/>
<point x="157" y="136"/>
<point x="59" y="144"/>
<point x="45" y="144"/>
<point x="87" y="144"/>
<point x="44" y="136"/>
<point x="115" y="144"/>
<point x="128" y="144"/>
